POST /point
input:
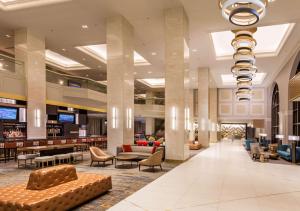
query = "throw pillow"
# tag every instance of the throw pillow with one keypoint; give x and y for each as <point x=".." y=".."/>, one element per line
<point x="139" y="143"/>
<point x="157" y="143"/>
<point x="127" y="148"/>
<point x="153" y="149"/>
<point x="288" y="150"/>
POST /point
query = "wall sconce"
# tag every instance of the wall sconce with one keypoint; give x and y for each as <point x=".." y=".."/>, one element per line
<point x="129" y="117"/>
<point x="187" y="118"/>
<point x="263" y="135"/>
<point x="37" y="118"/>
<point x="173" y="118"/>
<point x="294" y="138"/>
<point x="114" y="117"/>
<point x="203" y="126"/>
<point x="213" y="127"/>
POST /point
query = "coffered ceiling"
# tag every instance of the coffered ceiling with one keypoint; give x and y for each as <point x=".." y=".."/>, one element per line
<point x="72" y="23"/>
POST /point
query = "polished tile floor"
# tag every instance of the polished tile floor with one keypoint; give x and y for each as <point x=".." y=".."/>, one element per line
<point x="223" y="177"/>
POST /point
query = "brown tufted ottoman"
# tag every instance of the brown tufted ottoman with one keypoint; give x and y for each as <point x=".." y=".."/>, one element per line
<point x="55" y="188"/>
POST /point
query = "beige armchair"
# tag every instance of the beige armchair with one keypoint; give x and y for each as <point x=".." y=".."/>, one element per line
<point x="97" y="155"/>
<point x="153" y="160"/>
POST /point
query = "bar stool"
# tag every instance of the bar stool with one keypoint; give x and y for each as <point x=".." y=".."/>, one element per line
<point x="10" y="148"/>
<point x="56" y="142"/>
<point x="2" y="148"/>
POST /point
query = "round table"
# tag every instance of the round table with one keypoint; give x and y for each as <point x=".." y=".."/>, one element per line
<point x="127" y="158"/>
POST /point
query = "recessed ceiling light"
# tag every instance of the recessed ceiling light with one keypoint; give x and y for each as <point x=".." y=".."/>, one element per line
<point x="61" y="82"/>
<point x="63" y="49"/>
<point x="153" y="53"/>
<point x="8" y="36"/>
<point x="100" y="52"/>
<point x="63" y="62"/>
<point x="149" y="72"/>
<point x="84" y="26"/>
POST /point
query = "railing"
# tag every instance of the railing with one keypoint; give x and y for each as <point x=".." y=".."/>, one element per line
<point x="150" y="101"/>
<point x="11" y="66"/>
<point x="74" y="81"/>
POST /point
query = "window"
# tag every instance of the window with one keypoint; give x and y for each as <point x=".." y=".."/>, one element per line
<point x="275" y="112"/>
<point x="296" y="113"/>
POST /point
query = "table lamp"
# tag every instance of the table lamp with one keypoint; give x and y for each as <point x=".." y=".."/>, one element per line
<point x="280" y="138"/>
<point x="294" y="140"/>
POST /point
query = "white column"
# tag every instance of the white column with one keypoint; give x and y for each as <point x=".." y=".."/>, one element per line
<point x="150" y="121"/>
<point x="176" y="40"/>
<point x="203" y="107"/>
<point x="213" y="113"/>
<point x="120" y="83"/>
<point x="30" y="48"/>
<point x="150" y="124"/>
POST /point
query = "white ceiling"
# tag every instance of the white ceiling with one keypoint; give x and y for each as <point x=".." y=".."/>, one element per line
<point x="61" y="24"/>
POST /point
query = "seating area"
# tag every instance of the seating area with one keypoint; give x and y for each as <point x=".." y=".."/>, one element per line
<point x="264" y="151"/>
<point x="166" y="105"/>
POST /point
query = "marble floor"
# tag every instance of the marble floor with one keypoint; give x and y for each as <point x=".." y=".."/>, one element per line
<point x="222" y="177"/>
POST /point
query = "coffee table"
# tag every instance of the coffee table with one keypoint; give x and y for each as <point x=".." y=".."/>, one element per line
<point x="127" y="158"/>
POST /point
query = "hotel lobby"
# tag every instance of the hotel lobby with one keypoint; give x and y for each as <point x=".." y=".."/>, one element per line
<point x="149" y="105"/>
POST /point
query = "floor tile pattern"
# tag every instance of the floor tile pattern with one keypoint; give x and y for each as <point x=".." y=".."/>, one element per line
<point x="220" y="178"/>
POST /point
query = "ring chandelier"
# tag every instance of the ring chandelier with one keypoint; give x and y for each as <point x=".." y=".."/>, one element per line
<point x="244" y="68"/>
<point x="243" y="12"/>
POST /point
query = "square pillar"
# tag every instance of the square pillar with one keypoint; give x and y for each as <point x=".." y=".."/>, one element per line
<point x="176" y="42"/>
<point x="203" y="107"/>
<point x="213" y="112"/>
<point x="30" y="48"/>
<point x="120" y="83"/>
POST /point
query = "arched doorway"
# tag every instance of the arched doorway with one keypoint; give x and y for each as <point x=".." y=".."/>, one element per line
<point x="275" y="112"/>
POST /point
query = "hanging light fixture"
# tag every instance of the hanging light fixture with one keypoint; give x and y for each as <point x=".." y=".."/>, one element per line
<point x="244" y="78"/>
<point x="244" y="39"/>
<point x="244" y="84"/>
<point x="243" y="12"/>
<point x="244" y="94"/>
<point x="248" y="56"/>
<point x="244" y="67"/>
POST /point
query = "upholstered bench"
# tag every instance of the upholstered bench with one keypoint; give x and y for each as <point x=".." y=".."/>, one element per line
<point x="26" y="157"/>
<point x="40" y="161"/>
<point x="55" y="188"/>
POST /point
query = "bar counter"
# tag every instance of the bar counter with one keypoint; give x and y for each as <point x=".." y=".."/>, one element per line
<point x="10" y="149"/>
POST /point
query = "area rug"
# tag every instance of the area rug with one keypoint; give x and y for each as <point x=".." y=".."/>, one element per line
<point x="126" y="179"/>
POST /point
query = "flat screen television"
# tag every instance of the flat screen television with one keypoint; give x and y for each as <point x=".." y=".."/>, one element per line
<point x="8" y="114"/>
<point x="66" y="118"/>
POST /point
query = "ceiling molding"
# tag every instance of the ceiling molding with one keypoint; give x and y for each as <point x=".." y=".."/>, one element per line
<point x="10" y="5"/>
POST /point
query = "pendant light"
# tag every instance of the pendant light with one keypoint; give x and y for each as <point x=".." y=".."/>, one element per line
<point x="243" y="12"/>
